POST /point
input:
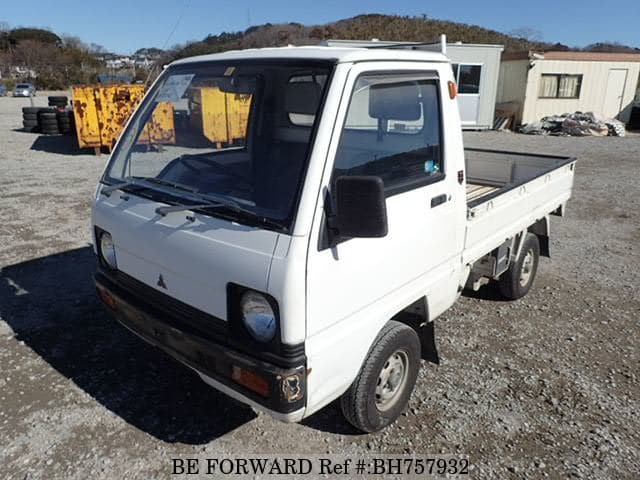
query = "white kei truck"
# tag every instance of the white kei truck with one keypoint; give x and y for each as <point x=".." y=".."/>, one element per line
<point x="305" y="258"/>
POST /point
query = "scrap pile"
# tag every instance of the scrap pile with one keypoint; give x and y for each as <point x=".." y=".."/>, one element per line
<point x="575" y="124"/>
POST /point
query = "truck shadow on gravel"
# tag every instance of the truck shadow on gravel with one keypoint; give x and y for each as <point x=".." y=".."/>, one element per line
<point x="51" y="305"/>
<point x="489" y="292"/>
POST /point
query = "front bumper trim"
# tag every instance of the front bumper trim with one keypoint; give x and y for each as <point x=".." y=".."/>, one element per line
<point x="213" y="362"/>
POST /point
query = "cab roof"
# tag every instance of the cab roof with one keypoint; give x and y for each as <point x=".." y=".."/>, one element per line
<point x="335" y="54"/>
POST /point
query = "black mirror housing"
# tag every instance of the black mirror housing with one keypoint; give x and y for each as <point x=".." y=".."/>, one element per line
<point x="361" y="208"/>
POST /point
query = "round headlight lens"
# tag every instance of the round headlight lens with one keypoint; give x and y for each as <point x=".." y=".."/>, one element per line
<point x="108" y="250"/>
<point x="258" y="316"/>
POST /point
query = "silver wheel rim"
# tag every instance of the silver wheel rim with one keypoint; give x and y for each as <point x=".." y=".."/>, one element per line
<point x="391" y="380"/>
<point x="527" y="268"/>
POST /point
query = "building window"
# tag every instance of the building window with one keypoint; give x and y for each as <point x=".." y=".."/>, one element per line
<point x="467" y="77"/>
<point x="558" y="85"/>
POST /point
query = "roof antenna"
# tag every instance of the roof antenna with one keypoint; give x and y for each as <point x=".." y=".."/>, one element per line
<point x="187" y="4"/>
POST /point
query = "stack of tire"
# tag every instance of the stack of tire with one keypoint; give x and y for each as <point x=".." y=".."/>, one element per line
<point x="48" y="121"/>
<point x="65" y="121"/>
<point x="58" y="101"/>
<point x="30" y="118"/>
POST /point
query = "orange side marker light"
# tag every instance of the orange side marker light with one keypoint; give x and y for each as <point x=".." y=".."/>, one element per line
<point x="453" y="90"/>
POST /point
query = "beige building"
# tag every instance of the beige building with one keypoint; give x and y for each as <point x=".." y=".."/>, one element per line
<point x="538" y="84"/>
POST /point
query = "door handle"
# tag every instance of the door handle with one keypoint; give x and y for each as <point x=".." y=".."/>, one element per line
<point x="438" y="200"/>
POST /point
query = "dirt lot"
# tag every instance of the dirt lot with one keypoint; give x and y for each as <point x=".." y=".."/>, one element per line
<point x="543" y="387"/>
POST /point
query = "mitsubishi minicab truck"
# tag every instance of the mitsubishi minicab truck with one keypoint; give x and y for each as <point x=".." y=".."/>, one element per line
<point x="308" y="214"/>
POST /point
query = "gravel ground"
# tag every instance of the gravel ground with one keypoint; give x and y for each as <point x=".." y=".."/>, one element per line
<point x="542" y="387"/>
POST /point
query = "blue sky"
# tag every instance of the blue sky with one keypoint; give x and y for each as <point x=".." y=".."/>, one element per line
<point x="124" y="26"/>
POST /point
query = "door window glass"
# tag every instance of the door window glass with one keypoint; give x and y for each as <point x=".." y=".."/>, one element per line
<point x="392" y="130"/>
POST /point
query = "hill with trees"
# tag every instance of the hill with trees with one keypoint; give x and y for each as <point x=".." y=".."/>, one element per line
<point x="361" y="27"/>
<point x="58" y="61"/>
<point x="62" y="60"/>
<point x="383" y="27"/>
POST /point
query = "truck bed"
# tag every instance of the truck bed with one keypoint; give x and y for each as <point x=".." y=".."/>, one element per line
<point x="508" y="191"/>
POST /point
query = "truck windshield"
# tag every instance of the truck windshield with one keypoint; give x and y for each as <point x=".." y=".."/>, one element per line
<point x="239" y="130"/>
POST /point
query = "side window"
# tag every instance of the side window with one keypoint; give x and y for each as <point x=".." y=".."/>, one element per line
<point x="392" y="130"/>
<point x="303" y="119"/>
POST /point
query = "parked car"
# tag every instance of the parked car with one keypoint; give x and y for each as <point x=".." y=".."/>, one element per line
<point x="24" y="90"/>
<point x="307" y="260"/>
<point x="3" y="89"/>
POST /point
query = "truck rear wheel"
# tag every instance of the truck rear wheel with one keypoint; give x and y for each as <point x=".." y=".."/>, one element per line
<point x="381" y="391"/>
<point x="517" y="280"/>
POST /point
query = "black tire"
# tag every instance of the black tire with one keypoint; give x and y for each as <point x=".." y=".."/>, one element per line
<point x="49" y="124"/>
<point x="516" y="282"/>
<point x="30" y="117"/>
<point x="31" y="110"/>
<point x="362" y="405"/>
<point x="50" y="132"/>
<point x="57" y="99"/>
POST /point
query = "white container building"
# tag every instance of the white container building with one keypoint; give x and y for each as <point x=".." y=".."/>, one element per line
<point x="539" y="84"/>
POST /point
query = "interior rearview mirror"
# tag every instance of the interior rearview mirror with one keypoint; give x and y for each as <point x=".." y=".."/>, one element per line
<point x="238" y="84"/>
<point x="361" y="208"/>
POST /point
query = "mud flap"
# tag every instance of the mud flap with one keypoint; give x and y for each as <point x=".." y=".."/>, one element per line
<point x="428" y="342"/>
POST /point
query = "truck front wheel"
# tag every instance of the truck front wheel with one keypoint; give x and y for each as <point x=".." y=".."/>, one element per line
<point x="517" y="280"/>
<point x="381" y="391"/>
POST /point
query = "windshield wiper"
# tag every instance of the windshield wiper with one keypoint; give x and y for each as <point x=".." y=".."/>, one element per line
<point x="106" y="191"/>
<point x="143" y="182"/>
<point x="167" y="183"/>
<point x="209" y="201"/>
<point x="222" y="204"/>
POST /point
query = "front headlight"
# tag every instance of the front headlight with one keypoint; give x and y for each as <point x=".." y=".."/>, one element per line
<point x="107" y="250"/>
<point x="258" y="316"/>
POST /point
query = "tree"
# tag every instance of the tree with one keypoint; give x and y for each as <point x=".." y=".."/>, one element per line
<point x="37" y="34"/>
<point x="527" y="33"/>
<point x="72" y="41"/>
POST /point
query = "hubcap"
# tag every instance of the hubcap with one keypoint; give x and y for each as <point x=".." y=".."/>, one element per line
<point x="391" y="380"/>
<point x="527" y="268"/>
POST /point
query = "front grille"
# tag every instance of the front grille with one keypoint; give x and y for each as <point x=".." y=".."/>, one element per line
<point x="187" y="318"/>
<point x="198" y="319"/>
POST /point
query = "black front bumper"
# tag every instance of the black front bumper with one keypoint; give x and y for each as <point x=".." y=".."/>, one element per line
<point x="189" y="346"/>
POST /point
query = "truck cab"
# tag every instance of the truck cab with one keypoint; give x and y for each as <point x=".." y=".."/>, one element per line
<point x="308" y="220"/>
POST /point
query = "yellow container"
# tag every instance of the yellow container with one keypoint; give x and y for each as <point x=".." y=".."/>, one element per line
<point x="225" y="116"/>
<point x="101" y="112"/>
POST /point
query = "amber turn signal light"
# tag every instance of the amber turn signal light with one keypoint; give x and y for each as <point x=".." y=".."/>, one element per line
<point x="107" y="299"/>
<point x="251" y="380"/>
<point x="453" y="90"/>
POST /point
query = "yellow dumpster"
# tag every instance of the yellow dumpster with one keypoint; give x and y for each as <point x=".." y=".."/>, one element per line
<point x="225" y="116"/>
<point x="101" y="112"/>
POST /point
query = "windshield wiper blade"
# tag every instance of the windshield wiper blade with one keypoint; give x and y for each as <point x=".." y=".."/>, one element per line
<point x="167" y="183"/>
<point x="109" y="189"/>
<point x="226" y="204"/>
<point x="180" y="208"/>
<point x="141" y="182"/>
